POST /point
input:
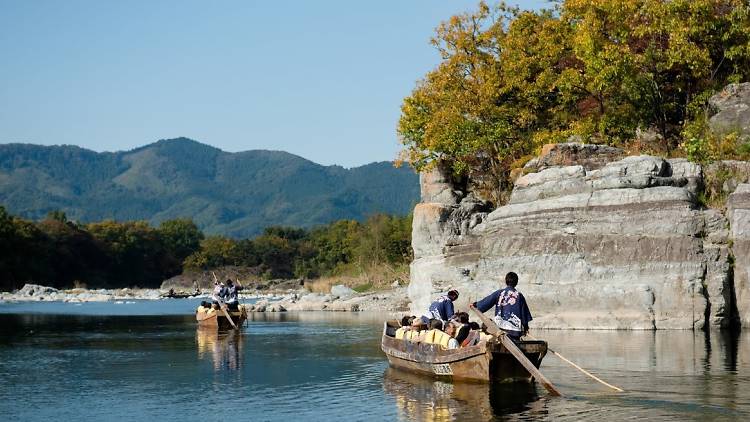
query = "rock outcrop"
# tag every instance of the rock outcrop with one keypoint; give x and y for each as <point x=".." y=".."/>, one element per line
<point x="598" y="239"/>
<point x="738" y="212"/>
<point x="732" y="110"/>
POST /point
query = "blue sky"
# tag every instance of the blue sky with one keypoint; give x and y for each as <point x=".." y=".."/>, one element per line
<point x="320" y="79"/>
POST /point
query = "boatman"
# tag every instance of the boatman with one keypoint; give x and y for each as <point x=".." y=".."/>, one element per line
<point x="231" y="294"/>
<point x="217" y="294"/>
<point x="512" y="314"/>
<point x="442" y="308"/>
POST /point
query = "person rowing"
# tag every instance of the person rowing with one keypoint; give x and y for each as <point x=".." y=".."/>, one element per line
<point x="231" y="294"/>
<point x="512" y="314"/>
<point x="442" y="308"/>
<point x="217" y="294"/>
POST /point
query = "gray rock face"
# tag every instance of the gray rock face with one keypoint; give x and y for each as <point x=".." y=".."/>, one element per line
<point x="36" y="290"/>
<point x="342" y="291"/>
<point x="732" y="106"/>
<point x="738" y="212"/>
<point x="613" y="245"/>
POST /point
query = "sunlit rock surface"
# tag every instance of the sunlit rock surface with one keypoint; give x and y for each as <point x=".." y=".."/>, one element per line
<point x="599" y="240"/>
<point x="738" y="211"/>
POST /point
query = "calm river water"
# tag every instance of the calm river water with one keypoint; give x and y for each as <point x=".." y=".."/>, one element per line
<point x="146" y="361"/>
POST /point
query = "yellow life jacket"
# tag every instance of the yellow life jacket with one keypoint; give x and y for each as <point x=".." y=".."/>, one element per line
<point x="400" y="333"/>
<point x="429" y="336"/>
<point x="441" y="338"/>
<point x="412" y="335"/>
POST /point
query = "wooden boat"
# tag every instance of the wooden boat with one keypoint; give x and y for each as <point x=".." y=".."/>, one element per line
<point x="172" y="294"/>
<point x="177" y="295"/>
<point x="486" y="361"/>
<point x="216" y="318"/>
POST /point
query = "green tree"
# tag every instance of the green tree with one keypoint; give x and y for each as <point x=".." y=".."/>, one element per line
<point x="181" y="237"/>
<point x="215" y="251"/>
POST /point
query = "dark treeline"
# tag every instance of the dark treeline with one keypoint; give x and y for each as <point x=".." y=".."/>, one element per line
<point x="61" y="253"/>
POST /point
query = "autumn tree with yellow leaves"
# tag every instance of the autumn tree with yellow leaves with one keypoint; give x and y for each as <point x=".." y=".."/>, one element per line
<point x="511" y="80"/>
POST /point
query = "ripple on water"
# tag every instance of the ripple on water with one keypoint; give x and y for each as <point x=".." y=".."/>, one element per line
<point x="312" y="368"/>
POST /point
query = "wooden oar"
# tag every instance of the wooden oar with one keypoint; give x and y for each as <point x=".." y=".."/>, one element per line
<point x="221" y="305"/>
<point x="579" y="368"/>
<point x="516" y="352"/>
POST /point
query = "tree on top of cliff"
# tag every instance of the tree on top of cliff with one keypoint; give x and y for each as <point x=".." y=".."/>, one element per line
<point x="512" y="80"/>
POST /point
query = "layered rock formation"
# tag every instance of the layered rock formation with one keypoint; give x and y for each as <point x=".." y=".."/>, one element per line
<point x="738" y="212"/>
<point x="599" y="240"/>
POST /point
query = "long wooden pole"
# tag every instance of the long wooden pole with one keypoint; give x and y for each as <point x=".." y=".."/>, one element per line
<point x="221" y="305"/>
<point x="516" y="352"/>
<point x="581" y="369"/>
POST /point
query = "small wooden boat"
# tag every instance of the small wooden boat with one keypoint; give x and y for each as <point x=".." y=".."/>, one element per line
<point x="486" y="361"/>
<point x="172" y="294"/>
<point x="208" y="317"/>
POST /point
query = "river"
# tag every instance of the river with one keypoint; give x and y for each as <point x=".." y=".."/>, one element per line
<point x="144" y="360"/>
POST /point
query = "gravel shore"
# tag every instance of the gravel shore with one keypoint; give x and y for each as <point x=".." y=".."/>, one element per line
<point x="341" y="298"/>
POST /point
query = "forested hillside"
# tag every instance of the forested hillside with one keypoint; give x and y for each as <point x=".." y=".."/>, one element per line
<point x="233" y="194"/>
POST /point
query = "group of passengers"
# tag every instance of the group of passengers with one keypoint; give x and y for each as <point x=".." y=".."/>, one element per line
<point x="226" y="293"/>
<point x="441" y="325"/>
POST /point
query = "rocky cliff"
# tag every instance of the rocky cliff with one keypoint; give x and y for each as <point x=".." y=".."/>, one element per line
<point x="599" y="240"/>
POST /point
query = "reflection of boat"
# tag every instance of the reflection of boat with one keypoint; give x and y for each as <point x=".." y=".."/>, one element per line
<point x="421" y="398"/>
<point x="224" y="347"/>
<point x="208" y="317"/>
<point x="486" y="361"/>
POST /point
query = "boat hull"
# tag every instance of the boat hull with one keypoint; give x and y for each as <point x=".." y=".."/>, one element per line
<point x="219" y="320"/>
<point x="486" y="361"/>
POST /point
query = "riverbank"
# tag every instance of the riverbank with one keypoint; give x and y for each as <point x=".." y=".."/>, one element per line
<point x="340" y="299"/>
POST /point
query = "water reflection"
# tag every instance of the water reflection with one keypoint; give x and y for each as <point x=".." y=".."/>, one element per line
<point x="421" y="398"/>
<point x="225" y="348"/>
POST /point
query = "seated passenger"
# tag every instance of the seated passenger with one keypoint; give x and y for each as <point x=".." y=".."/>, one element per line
<point x="428" y="336"/>
<point x="471" y="339"/>
<point x="406" y="327"/>
<point x="447" y="339"/>
<point x="408" y="321"/>
<point x="443" y="338"/>
<point x="462" y="327"/>
<point x="473" y="336"/>
<point x="203" y="307"/>
<point x="400" y="333"/>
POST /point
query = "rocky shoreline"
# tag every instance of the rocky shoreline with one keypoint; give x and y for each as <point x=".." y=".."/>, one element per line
<point x="341" y="298"/>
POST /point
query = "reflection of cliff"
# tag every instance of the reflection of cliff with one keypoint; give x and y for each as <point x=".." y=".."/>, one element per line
<point x="224" y="348"/>
<point x="598" y="240"/>
<point x="421" y="398"/>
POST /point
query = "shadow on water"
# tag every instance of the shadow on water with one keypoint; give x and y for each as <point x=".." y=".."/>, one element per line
<point x="422" y="398"/>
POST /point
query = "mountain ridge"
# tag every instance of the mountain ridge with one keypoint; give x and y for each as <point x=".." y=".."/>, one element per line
<point x="230" y="193"/>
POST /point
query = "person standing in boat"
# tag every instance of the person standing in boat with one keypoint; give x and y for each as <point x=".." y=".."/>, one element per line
<point x="217" y="294"/>
<point x="512" y="314"/>
<point x="442" y="308"/>
<point x="231" y="294"/>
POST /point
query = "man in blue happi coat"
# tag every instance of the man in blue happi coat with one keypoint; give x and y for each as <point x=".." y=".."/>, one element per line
<point x="442" y="308"/>
<point x="512" y="314"/>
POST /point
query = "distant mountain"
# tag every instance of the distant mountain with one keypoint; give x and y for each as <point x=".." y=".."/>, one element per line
<point x="236" y="194"/>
